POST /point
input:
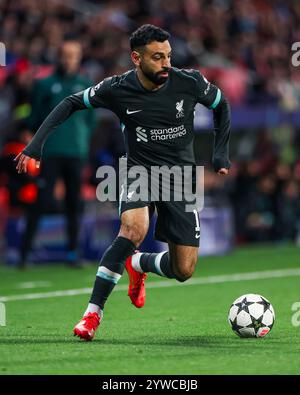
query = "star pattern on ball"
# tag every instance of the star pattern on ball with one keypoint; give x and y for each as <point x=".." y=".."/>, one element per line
<point x="256" y="323"/>
<point x="264" y="303"/>
<point x="243" y="305"/>
<point x="235" y="326"/>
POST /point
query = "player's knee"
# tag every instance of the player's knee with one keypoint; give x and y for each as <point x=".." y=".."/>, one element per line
<point x="182" y="277"/>
<point x="184" y="269"/>
<point x="134" y="232"/>
<point x="184" y="273"/>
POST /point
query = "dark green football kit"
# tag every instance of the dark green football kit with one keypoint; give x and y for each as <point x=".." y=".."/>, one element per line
<point x="158" y="129"/>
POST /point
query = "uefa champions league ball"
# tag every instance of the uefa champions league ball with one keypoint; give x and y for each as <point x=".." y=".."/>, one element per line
<point x="251" y="315"/>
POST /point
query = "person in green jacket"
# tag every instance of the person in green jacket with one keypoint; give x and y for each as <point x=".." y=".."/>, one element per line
<point x="64" y="153"/>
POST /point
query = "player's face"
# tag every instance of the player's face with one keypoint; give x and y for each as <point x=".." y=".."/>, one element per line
<point x="71" y="56"/>
<point x="155" y="61"/>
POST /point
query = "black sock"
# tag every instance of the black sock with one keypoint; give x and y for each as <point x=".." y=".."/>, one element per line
<point x="111" y="269"/>
<point x="157" y="263"/>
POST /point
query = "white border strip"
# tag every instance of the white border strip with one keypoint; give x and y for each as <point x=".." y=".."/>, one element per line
<point x="163" y="284"/>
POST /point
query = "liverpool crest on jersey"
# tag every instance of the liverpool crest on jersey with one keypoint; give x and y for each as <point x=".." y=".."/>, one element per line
<point x="179" y="108"/>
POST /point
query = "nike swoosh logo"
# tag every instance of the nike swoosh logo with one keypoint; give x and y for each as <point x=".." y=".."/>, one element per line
<point x="132" y="112"/>
<point x="197" y="236"/>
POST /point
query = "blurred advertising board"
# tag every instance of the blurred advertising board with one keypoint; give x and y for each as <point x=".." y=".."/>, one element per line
<point x="97" y="233"/>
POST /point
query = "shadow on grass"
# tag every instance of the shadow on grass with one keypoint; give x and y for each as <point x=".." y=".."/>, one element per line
<point x="218" y="341"/>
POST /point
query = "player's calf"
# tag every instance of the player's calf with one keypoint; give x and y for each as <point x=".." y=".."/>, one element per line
<point x="162" y="265"/>
<point x="157" y="263"/>
<point x="184" y="260"/>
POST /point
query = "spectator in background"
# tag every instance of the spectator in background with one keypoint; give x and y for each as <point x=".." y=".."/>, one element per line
<point x="237" y="40"/>
<point x="65" y="151"/>
<point x="289" y="211"/>
<point x="262" y="211"/>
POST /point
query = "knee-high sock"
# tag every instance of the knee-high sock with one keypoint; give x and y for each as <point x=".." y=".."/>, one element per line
<point x="111" y="269"/>
<point x="155" y="263"/>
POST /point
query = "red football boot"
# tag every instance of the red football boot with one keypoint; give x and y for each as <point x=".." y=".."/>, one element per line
<point x="87" y="326"/>
<point x="136" y="287"/>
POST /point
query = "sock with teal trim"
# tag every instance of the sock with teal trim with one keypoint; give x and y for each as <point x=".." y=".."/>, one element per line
<point x="111" y="269"/>
<point x="152" y="262"/>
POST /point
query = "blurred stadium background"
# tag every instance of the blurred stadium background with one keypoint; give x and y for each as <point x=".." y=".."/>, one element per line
<point x="244" y="47"/>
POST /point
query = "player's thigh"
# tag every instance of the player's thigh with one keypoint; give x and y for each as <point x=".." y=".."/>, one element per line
<point x="184" y="259"/>
<point x="176" y="224"/>
<point x="135" y="224"/>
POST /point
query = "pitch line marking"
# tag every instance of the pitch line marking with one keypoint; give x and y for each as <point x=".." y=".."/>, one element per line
<point x="34" y="284"/>
<point x="248" y="276"/>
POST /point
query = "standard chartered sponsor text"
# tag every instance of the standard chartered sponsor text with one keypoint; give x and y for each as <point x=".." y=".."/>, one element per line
<point x="168" y="133"/>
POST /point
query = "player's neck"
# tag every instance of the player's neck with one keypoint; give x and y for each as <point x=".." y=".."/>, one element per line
<point x="146" y="83"/>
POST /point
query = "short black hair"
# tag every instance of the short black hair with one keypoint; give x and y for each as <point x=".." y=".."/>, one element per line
<point x="146" y="34"/>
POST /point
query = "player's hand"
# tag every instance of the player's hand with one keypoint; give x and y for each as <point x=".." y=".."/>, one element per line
<point x="223" y="171"/>
<point x="23" y="161"/>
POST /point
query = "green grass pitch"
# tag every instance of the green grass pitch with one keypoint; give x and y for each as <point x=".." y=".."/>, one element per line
<point x="181" y="330"/>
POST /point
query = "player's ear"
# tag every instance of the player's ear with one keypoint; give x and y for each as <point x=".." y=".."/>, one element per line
<point x="136" y="58"/>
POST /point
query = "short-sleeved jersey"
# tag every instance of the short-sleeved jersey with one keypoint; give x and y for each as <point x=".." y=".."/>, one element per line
<point x="158" y="126"/>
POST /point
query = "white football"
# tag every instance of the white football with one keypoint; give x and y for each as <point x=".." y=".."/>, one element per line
<point x="251" y="315"/>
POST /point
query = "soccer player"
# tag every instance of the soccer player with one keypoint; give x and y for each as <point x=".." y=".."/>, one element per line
<point x="155" y="104"/>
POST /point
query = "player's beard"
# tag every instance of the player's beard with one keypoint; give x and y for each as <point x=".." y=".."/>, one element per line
<point x="156" y="78"/>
